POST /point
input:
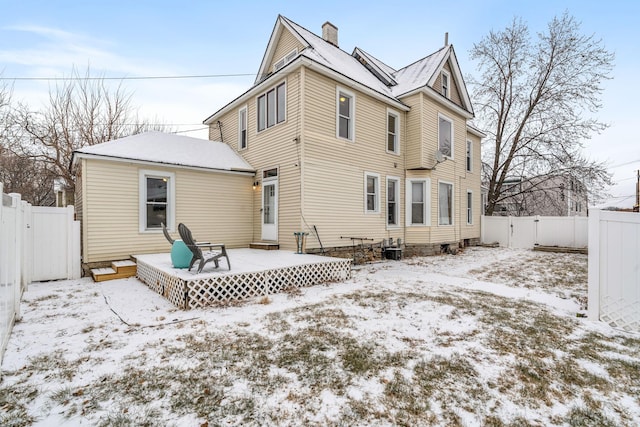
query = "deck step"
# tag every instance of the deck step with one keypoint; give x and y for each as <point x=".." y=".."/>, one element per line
<point x="118" y="270"/>
<point x="267" y="246"/>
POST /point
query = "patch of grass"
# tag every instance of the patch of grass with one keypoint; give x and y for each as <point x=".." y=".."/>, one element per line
<point x="582" y="416"/>
<point x="13" y="405"/>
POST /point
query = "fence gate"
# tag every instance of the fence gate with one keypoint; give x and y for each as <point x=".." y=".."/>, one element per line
<point x="55" y="253"/>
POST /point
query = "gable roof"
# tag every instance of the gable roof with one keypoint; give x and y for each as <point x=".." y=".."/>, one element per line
<point x="169" y="149"/>
<point x="362" y="69"/>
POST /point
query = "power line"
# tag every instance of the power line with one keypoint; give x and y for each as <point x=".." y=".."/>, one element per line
<point x="195" y="76"/>
<point x="625" y="164"/>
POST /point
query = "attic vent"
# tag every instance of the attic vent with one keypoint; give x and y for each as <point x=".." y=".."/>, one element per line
<point x="330" y="33"/>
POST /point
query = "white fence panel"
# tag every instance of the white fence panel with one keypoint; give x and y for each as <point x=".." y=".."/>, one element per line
<point x="528" y="231"/>
<point x="569" y="231"/>
<point x="56" y="245"/>
<point x="495" y="229"/>
<point x="10" y="265"/>
<point x="614" y="268"/>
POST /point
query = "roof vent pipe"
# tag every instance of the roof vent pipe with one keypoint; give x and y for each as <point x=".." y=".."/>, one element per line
<point x="330" y="33"/>
<point x="446" y="39"/>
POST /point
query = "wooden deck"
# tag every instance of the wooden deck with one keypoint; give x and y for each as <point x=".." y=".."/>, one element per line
<point x="254" y="273"/>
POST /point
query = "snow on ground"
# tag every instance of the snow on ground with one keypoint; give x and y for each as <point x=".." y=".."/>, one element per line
<point x="487" y="337"/>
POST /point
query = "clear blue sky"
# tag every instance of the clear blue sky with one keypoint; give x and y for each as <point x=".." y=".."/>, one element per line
<point x="161" y="38"/>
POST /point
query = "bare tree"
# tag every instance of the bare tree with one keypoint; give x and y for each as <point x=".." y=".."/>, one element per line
<point x="81" y="111"/>
<point x="535" y="101"/>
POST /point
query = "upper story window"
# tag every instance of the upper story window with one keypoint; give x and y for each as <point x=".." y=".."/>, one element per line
<point x="345" y="117"/>
<point x="157" y="200"/>
<point x="272" y="107"/>
<point x="469" y="155"/>
<point x="444" y="78"/>
<point x="445" y="135"/>
<point x="393" y="132"/>
<point x="242" y="128"/>
<point x="371" y="192"/>
<point x="285" y="60"/>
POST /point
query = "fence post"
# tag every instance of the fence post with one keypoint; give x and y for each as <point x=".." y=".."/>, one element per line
<point x="17" y="204"/>
<point x="593" y="266"/>
<point x="73" y="249"/>
<point x="27" y="246"/>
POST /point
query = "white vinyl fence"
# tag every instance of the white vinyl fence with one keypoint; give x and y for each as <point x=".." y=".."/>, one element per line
<point x="529" y="231"/>
<point x="36" y="244"/>
<point x="614" y="268"/>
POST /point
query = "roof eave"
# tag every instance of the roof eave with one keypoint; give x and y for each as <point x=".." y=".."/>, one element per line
<point x="431" y="93"/>
<point x="80" y="155"/>
<point x="329" y="72"/>
<point x="475" y="131"/>
<point x="253" y="90"/>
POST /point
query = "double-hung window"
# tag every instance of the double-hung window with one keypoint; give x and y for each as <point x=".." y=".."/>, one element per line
<point x="445" y="135"/>
<point x="242" y="128"/>
<point x="445" y="203"/>
<point x="444" y="78"/>
<point x="469" y="207"/>
<point x="469" y="155"/>
<point x="393" y="132"/>
<point x="272" y="107"/>
<point x="371" y="192"/>
<point x="417" y="202"/>
<point x="345" y="116"/>
<point x="393" y="196"/>
<point x="157" y="199"/>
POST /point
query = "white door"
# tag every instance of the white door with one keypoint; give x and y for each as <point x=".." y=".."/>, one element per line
<point x="270" y="210"/>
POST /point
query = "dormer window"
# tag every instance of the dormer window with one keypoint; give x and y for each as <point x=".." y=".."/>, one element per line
<point x="285" y="60"/>
<point x="444" y="78"/>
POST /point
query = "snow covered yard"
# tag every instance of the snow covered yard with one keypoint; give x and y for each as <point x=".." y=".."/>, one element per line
<point x="487" y="337"/>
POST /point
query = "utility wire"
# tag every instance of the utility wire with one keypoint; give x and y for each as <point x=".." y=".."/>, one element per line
<point x="196" y="76"/>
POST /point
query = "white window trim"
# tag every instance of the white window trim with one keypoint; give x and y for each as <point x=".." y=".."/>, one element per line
<point x="398" y="225"/>
<point x="469" y="192"/>
<point x="285" y="60"/>
<point x="470" y="146"/>
<point x="352" y="111"/>
<point x="409" y="199"/>
<point x="246" y="124"/>
<point x="442" y="116"/>
<point x="143" y="174"/>
<point x="442" y="88"/>
<point x="377" y="201"/>
<point x="386" y="143"/>
<point x="266" y="102"/>
<point x="453" y="203"/>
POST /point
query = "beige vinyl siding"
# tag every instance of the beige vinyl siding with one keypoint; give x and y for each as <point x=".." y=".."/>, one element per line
<point x="285" y="45"/>
<point x="215" y="206"/>
<point x="414" y="143"/>
<point x="454" y="92"/>
<point x="471" y="181"/>
<point x="274" y="147"/>
<point x="78" y="201"/>
<point x="334" y="168"/>
<point x="452" y="171"/>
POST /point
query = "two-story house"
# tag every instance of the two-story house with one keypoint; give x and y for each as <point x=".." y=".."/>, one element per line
<point x="345" y="146"/>
<point x="333" y="144"/>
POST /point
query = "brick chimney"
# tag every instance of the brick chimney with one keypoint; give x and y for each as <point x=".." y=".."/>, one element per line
<point x="330" y="33"/>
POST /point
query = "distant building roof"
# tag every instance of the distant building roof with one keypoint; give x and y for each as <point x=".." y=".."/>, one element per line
<point x="170" y="149"/>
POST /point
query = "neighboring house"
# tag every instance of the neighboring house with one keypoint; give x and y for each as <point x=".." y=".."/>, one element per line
<point x="349" y="146"/>
<point x="548" y="195"/>
<point x="126" y="187"/>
